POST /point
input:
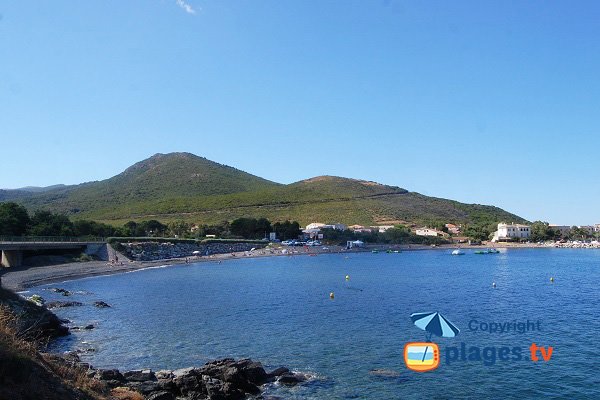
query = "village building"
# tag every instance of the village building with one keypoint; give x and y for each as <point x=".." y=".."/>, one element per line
<point x="453" y="229"/>
<point x="428" y="232"/>
<point x="507" y="232"/>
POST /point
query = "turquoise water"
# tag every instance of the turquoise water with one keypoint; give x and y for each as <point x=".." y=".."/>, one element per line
<point x="277" y="310"/>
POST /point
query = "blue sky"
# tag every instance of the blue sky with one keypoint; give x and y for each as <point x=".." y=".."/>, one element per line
<point x="492" y="102"/>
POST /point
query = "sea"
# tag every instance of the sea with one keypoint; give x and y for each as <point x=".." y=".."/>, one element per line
<point x="345" y="321"/>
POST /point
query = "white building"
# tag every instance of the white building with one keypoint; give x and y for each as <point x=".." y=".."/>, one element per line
<point x="337" y="226"/>
<point x="427" y="232"/>
<point x="315" y="225"/>
<point x="512" y="231"/>
<point x="383" y="228"/>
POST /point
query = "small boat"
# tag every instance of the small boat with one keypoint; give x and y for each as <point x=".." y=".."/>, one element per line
<point x="458" y="252"/>
<point x="374" y="251"/>
<point x="482" y="252"/>
<point x="493" y="251"/>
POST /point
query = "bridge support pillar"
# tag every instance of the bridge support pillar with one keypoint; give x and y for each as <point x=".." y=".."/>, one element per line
<point x="12" y="258"/>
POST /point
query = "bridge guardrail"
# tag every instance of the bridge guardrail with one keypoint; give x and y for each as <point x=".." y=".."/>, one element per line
<point x="54" y="239"/>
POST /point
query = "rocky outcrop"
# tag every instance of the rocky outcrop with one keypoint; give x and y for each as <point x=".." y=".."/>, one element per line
<point x="35" y="321"/>
<point x="63" y="304"/>
<point x="225" y="379"/>
<point x="152" y="251"/>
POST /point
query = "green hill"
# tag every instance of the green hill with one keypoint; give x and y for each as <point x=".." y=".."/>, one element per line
<point x="183" y="186"/>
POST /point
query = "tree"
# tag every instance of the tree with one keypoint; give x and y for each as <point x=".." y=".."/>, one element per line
<point x="151" y="228"/>
<point x="179" y="228"/>
<point x="14" y="220"/>
<point x="45" y="223"/>
<point x="541" y="231"/>
<point x="287" y="230"/>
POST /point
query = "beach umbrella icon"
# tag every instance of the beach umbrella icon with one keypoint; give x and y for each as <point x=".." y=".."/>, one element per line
<point x="434" y="323"/>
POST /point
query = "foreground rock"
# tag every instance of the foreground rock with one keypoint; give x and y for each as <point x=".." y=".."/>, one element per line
<point x="225" y="379"/>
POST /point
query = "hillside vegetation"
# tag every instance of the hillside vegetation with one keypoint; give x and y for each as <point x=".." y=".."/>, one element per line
<point x="180" y="186"/>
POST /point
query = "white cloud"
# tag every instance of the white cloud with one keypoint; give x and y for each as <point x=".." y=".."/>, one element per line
<point x="186" y="7"/>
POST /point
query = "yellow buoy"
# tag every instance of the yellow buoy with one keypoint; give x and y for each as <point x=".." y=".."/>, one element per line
<point x="331" y="295"/>
<point x="347" y="277"/>
<point x="551" y="279"/>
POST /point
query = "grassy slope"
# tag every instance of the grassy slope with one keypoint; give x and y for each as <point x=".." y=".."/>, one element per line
<point x="331" y="200"/>
<point x="158" y="177"/>
<point x="184" y="186"/>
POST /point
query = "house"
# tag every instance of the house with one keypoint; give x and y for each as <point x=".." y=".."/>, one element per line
<point x="562" y="229"/>
<point x="383" y="228"/>
<point x="427" y="232"/>
<point x="453" y="229"/>
<point x="311" y="233"/>
<point x="337" y="226"/>
<point x="360" y="229"/>
<point x="597" y="228"/>
<point x="587" y="229"/>
<point x="354" y="227"/>
<point x="354" y="243"/>
<point x="511" y="232"/>
<point x="315" y="225"/>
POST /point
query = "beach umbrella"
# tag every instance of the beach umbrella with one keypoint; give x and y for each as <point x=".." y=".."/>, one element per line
<point x="195" y="252"/>
<point x="435" y="324"/>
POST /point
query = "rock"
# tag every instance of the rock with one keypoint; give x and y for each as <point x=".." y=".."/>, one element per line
<point x="234" y="376"/>
<point x="219" y="390"/>
<point x="253" y="371"/>
<point x="164" y="374"/>
<point x="64" y="292"/>
<point x="291" y="379"/>
<point x="101" y="304"/>
<point x="143" y="387"/>
<point x="387" y="373"/>
<point x="63" y="304"/>
<point x="89" y="327"/>
<point x="186" y="380"/>
<point x="278" y="372"/>
<point x="183" y="372"/>
<point x="111" y="383"/>
<point x="37" y="299"/>
<point x="109" y="374"/>
<point x="162" y="395"/>
<point x="140" y="375"/>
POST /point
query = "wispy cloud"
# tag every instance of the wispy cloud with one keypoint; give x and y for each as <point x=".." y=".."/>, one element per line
<point x="186" y="7"/>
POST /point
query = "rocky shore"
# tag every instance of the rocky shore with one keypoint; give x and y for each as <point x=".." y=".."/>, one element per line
<point x="224" y="379"/>
<point x="153" y="251"/>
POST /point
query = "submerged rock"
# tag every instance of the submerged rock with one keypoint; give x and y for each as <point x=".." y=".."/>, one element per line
<point x="291" y="379"/>
<point x="387" y="373"/>
<point x="101" y="304"/>
<point x="64" y="292"/>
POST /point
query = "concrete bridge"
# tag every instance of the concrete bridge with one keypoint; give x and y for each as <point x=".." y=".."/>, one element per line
<point x="13" y="248"/>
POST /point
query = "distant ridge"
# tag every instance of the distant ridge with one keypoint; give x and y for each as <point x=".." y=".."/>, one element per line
<point x="184" y="186"/>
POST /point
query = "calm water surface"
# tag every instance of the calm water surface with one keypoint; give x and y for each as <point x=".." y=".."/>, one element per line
<point x="277" y="310"/>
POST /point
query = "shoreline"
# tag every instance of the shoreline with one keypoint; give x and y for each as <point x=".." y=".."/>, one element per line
<point x="23" y="278"/>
